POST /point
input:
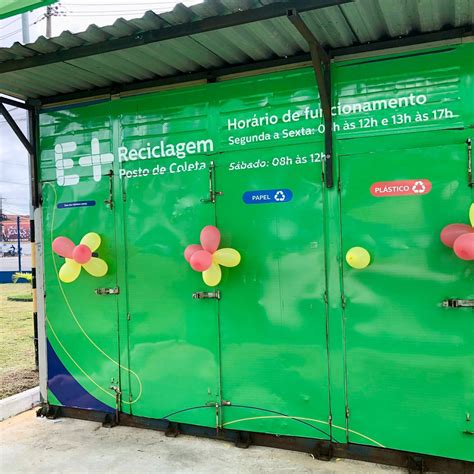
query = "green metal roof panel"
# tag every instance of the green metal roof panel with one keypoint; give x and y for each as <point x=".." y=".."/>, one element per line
<point x="208" y="36"/>
<point x="14" y="7"/>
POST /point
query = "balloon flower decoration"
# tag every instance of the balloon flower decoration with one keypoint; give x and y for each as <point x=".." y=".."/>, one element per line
<point x="207" y="257"/>
<point x="79" y="256"/>
<point x="460" y="237"/>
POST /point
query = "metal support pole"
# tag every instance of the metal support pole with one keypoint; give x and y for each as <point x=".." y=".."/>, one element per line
<point x="34" y="204"/>
<point x="322" y="68"/>
<point x="49" y="14"/>
<point x="25" y="27"/>
<point x="18" y="240"/>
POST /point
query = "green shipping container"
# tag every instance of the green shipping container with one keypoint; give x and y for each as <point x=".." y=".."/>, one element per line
<point x="293" y="340"/>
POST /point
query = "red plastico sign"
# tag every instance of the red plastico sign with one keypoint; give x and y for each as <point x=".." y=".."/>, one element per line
<point x="404" y="187"/>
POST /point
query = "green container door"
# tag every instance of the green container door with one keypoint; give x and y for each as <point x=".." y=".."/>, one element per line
<point x="82" y="327"/>
<point x="272" y="311"/>
<point x="409" y="359"/>
<point x="265" y="340"/>
<point x="174" y="347"/>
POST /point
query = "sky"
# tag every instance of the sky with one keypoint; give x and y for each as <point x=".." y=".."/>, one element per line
<point x="75" y="16"/>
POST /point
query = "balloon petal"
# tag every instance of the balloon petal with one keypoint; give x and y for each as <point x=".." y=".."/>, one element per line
<point x="226" y="257"/>
<point x="471" y="214"/>
<point x="358" y="257"/>
<point x="210" y="238"/>
<point x="212" y="276"/>
<point x="96" y="267"/>
<point x="63" y="247"/>
<point x="92" y="240"/>
<point x="82" y="254"/>
<point x="464" y="246"/>
<point x="452" y="231"/>
<point x="69" y="271"/>
<point x="200" y="260"/>
<point x="190" y="250"/>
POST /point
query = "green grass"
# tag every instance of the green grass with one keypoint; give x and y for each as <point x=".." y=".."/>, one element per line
<point x="17" y="355"/>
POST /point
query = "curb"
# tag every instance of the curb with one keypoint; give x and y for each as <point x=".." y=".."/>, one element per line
<point x="19" y="403"/>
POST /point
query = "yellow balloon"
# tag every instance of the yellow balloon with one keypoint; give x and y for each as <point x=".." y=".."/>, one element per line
<point x="226" y="257"/>
<point x="358" y="257"/>
<point x="96" y="267"/>
<point x="69" y="271"/>
<point x="212" y="276"/>
<point x="471" y="214"/>
<point x="92" y="240"/>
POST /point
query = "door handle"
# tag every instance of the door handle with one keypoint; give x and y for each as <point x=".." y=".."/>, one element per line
<point x="201" y="295"/>
<point x="458" y="303"/>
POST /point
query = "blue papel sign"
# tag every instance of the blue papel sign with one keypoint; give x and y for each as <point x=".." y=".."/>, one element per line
<point x="267" y="196"/>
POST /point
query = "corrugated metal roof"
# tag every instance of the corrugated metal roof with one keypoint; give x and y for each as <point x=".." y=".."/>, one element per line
<point x="341" y="25"/>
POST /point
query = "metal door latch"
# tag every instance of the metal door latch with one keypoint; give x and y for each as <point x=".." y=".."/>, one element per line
<point x="107" y="291"/>
<point x="200" y="295"/>
<point x="455" y="303"/>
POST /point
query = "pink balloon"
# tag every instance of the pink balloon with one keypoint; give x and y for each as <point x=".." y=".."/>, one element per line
<point x="63" y="247"/>
<point x="210" y="238"/>
<point x="464" y="246"/>
<point x="190" y="250"/>
<point x="452" y="231"/>
<point x="82" y="253"/>
<point x="200" y="260"/>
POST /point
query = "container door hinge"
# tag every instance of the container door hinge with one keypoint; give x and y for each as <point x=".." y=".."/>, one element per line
<point x="343" y="301"/>
<point x="128" y="317"/>
<point x="348" y="413"/>
<point x="325" y="296"/>
<point x="339" y="185"/>
<point x="107" y="291"/>
<point x="201" y="295"/>
<point x="469" y="162"/>
<point x="457" y="303"/>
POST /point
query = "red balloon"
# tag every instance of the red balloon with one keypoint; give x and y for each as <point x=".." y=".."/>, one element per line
<point x="210" y="238"/>
<point x="200" y="260"/>
<point x="82" y="253"/>
<point x="190" y="250"/>
<point x="464" y="246"/>
<point x="452" y="231"/>
<point x="63" y="247"/>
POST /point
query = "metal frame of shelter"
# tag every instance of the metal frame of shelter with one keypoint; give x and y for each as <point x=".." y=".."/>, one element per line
<point x="320" y="59"/>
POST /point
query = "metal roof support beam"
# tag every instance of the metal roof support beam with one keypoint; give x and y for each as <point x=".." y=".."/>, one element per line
<point x="16" y="129"/>
<point x="14" y="103"/>
<point x="322" y="68"/>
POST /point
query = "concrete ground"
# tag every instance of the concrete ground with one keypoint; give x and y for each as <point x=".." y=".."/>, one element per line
<point x="37" y="445"/>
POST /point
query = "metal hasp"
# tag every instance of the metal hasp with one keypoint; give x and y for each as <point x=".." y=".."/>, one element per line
<point x="107" y="291"/>
<point x="212" y="184"/>
<point x="457" y="303"/>
<point x="201" y="295"/>
<point x="322" y="69"/>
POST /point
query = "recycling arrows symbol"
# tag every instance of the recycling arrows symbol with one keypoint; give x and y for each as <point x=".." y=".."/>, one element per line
<point x="279" y="196"/>
<point x="419" y="187"/>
